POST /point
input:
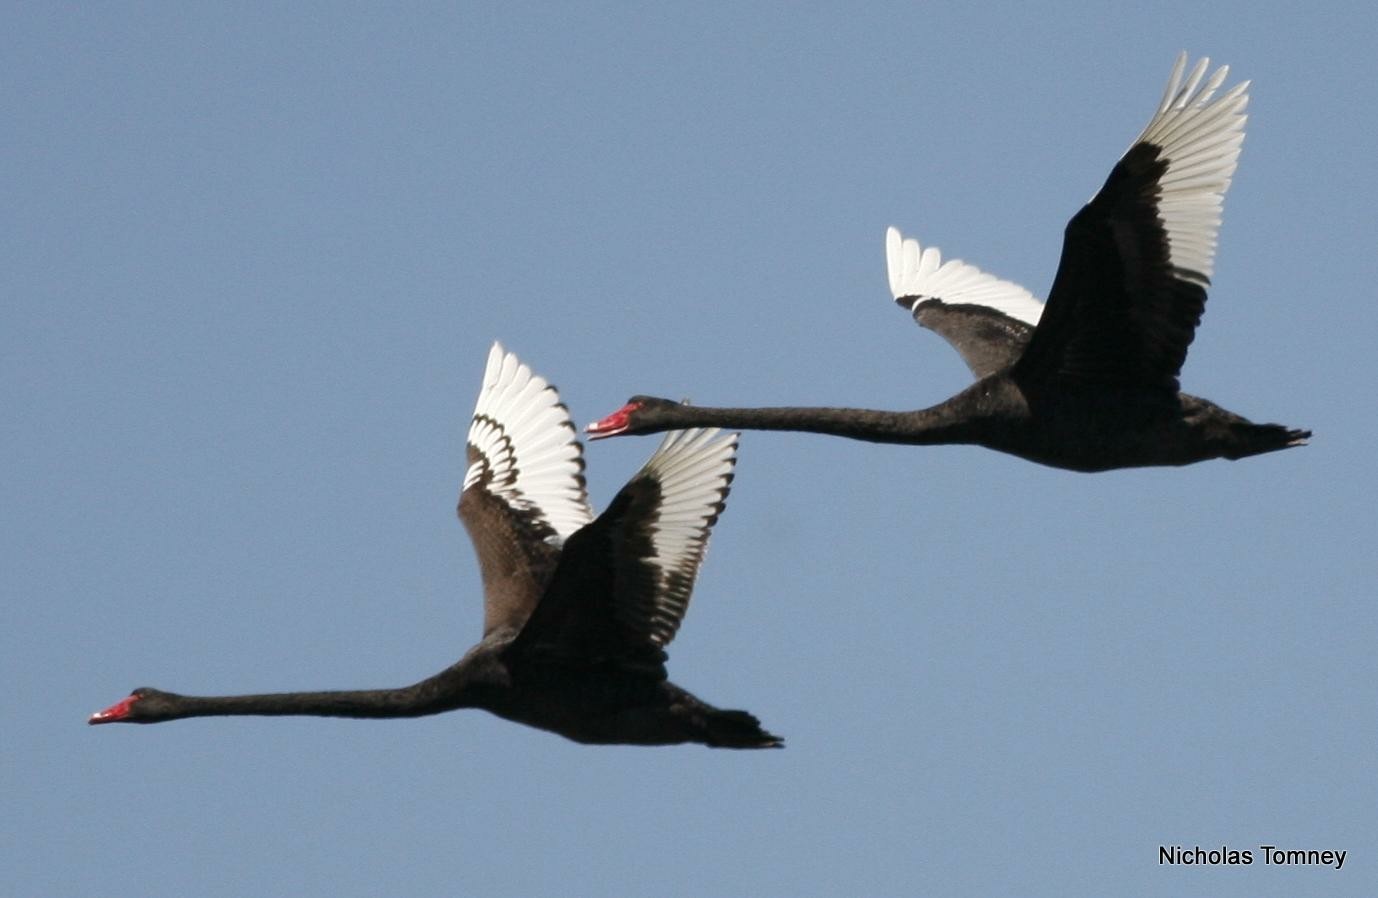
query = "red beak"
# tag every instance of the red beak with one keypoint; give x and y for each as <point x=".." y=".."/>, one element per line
<point x="613" y="424"/>
<point x="117" y="711"/>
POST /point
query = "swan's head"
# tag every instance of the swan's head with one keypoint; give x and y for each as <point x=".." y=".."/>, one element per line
<point x="641" y="414"/>
<point x="143" y="706"/>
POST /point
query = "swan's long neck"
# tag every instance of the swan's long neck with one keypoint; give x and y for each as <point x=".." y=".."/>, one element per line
<point x="924" y="427"/>
<point x="409" y="701"/>
<point x="455" y="687"/>
<point x="479" y="679"/>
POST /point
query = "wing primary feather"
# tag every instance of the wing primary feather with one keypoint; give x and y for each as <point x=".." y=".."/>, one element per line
<point x="692" y="471"/>
<point x="523" y="448"/>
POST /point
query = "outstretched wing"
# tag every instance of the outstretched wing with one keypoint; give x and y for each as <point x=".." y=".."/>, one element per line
<point x="523" y="493"/>
<point x="987" y="320"/>
<point x="623" y="582"/>
<point x="1136" y="260"/>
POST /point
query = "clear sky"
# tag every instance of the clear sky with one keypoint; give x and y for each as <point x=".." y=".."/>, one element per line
<point x="255" y="254"/>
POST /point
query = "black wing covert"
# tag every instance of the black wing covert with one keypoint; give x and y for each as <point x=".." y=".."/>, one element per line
<point x="523" y="492"/>
<point x="1137" y="259"/>
<point x="623" y="583"/>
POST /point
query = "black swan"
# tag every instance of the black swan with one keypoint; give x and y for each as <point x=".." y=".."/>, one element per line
<point x="577" y="611"/>
<point x="1090" y="384"/>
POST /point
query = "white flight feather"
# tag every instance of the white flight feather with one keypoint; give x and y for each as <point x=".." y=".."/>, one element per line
<point x="1201" y="139"/>
<point x="693" y="469"/>
<point x="526" y="441"/>
<point x="922" y="274"/>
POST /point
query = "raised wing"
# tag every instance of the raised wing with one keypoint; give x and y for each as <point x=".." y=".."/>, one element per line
<point x="624" y="582"/>
<point x="986" y="319"/>
<point x="1136" y="260"/>
<point x="523" y="492"/>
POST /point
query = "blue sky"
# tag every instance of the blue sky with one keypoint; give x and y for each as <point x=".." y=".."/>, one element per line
<point x="253" y="261"/>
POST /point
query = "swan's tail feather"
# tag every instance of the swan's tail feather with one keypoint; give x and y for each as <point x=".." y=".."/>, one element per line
<point x="737" y="729"/>
<point x="1256" y="439"/>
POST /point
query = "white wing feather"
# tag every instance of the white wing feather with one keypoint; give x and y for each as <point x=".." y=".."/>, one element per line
<point x="922" y="274"/>
<point x="526" y="444"/>
<point x="1201" y="140"/>
<point x="693" y="468"/>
